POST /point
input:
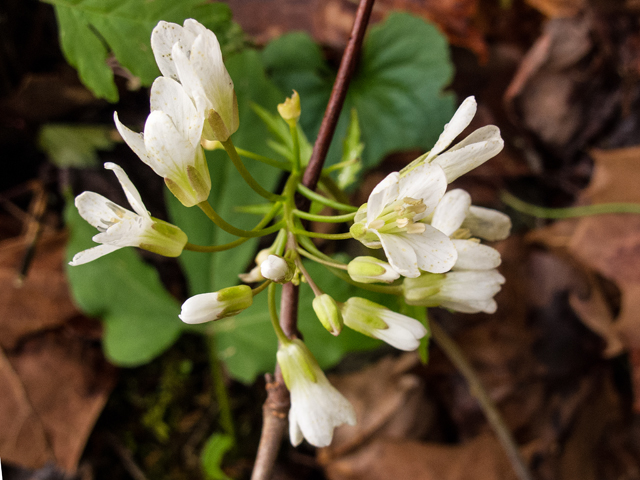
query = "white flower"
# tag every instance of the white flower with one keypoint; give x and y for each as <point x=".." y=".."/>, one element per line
<point x="207" y="307"/>
<point x="373" y="320"/>
<point x="316" y="406"/>
<point x="471" y="152"/>
<point x="371" y="270"/>
<point x="451" y="214"/>
<point x="391" y="220"/>
<point x="255" y="275"/>
<point x="277" y="269"/>
<point x="469" y="291"/>
<point x="120" y="227"/>
<point x="192" y="56"/>
<point x="170" y="144"/>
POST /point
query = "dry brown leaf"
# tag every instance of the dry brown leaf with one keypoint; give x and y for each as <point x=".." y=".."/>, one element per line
<point x="389" y="402"/>
<point x="480" y="459"/>
<point x="330" y="21"/>
<point x="53" y="388"/>
<point x="43" y="300"/>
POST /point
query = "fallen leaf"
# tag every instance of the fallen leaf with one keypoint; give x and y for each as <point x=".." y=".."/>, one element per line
<point x="42" y="301"/>
<point x="54" y="388"/>
<point x="558" y="8"/>
<point x="479" y="459"/>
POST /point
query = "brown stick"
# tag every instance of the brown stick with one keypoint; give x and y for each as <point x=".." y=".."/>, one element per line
<point x="277" y="403"/>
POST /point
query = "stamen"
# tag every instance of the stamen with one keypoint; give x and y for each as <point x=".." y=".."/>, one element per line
<point x="402" y="222"/>
<point x="376" y="224"/>
<point x="416" y="228"/>
<point x="412" y="201"/>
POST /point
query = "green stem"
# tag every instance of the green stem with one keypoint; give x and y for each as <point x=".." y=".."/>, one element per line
<point x="312" y="284"/>
<point x="333" y="189"/>
<point x="273" y="314"/>
<point x="266" y="160"/>
<point x="220" y="388"/>
<point x="391" y="290"/>
<point x="338" y="166"/>
<point x="228" y="246"/>
<point x="227" y="227"/>
<point x="237" y="162"/>
<point x="293" y="129"/>
<point x="328" y="236"/>
<point x="543" y="212"/>
<point x="319" y="260"/>
<point x="316" y="197"/>
<point x="325" y="218"/>
<point x="260" y="287"/>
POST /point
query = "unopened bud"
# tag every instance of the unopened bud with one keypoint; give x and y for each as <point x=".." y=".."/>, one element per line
<point x="255" y="275"/>
<point x="277" y="269"/>
<point x="328" y="313"/>
<point x="371" y="270"/>
<point x="290" y="109"/>
<point x="216" y="305"/>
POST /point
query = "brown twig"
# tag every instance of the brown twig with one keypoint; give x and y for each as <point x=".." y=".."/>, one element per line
<point x="453" y="352"/>
<point x="277" y="403"/>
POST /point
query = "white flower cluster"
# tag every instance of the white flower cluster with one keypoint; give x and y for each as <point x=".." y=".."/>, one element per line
<point x="426" y="232"/>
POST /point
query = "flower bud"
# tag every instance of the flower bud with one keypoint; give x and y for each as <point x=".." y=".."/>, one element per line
<point x="290" y="109"/>
<point x="371" y="270"/>
<point x="277" y="269"/>
<point x="255" y="275"/>
<point x="376" y="321"/>
<point x="328" y="313"/>
<point x="216" y="305"/>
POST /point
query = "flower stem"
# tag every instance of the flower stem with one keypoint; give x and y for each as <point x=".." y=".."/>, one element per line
<point x="316" y="197"/>
<point x="328" y="236"/>
<point x="260" y="287"/>
<point x="453" y="352"/>
<point x="327" y="263"/>
<point x="588" y="210"/>
<point x="237" y="162"/>
<point x="266" y="160"/>
<point x="227" y="227"/>
<point x="325" y="218"/>
<point x="312" y="284"/>
<point x="273" y="314"/>
<point x="220" y="388"/>
<point x="293" y="129"/>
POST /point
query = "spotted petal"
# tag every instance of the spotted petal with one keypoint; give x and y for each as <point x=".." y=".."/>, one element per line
<point x="170" y="97"/>
<point x="451" y="211"/>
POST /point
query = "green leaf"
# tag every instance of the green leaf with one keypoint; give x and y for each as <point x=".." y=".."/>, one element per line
<point x="396" y="90"/>
<point x="351" y="152"/>
<point x="75" y="145"/>
<point x="248" y="345"/>
<point x="211" y="272"/>
<point x="140" y="317"/>
<point x="213" y="453"/>
<point x="90" y="29"/>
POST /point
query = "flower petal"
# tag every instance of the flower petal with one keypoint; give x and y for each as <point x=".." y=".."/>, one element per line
<point x="91" y="254"/>
<point x="128" y="232"/>
<point x="475" y="256"/>
<point x="487" y="223"/>
<point x="163" y="37"/>
<point x="190" y="81"/>
<point x="170" y="97"/>
<point x="383" y="194"/>
<point x="200" y="308"/>
<point x="451" y="211"/>
<point x="129" y="190"/>
<point x="400" y="254"/>
<point x="460" y="120"/>
<point x="295" y="434"/>
<point x="171" y="152"/>
<point x="477" y="148"/>
<point x="426" y="182"/>
<point x="471" y="291"/>
<point x="133" y="139"/>
<point x="404" y="333"/>
<point x="94" y="209"/>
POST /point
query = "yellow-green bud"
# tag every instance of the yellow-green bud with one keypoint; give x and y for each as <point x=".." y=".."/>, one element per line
<point x="328" y="313"/>
<point x="371" y="270"/>
<point x="290" y="109"/>
<point x="216" y="305"/>
<point x="422" y="290"/>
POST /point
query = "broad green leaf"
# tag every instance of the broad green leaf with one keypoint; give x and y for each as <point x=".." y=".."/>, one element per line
<point x="90" y="29"/>
<point x="75" y="145"/>
<point x="213" y="453"/>
<point x="140" y="317"/>
<point x="211" y="272"/>
<point x="396" y="90"/>
<point x="248" y="345"/>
